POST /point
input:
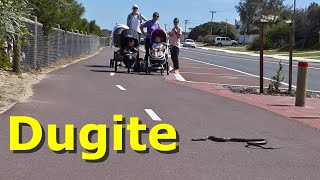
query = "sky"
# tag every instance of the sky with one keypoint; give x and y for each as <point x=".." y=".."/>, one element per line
<point x="108" y="13"/>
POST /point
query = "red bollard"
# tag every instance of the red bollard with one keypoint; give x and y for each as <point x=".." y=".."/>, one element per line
<point x="301" y="84"/>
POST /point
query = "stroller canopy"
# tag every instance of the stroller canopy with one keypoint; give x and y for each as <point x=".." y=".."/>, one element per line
<point x="161" y="33"/>
<point x="116" y="34"/>
<point x="129" y="34"/>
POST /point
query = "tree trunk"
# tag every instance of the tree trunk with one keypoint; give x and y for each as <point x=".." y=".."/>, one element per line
<point x="16" y="56"/>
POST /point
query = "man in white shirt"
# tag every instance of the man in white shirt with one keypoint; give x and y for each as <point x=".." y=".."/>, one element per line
<point x="135" y="19"/>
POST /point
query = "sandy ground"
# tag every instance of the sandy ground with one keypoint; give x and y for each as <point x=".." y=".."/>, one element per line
<point x="18" y="88"/>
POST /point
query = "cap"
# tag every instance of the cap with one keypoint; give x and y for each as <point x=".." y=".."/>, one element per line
<point x="135" y="6"/>
<point x="156" y="14"/>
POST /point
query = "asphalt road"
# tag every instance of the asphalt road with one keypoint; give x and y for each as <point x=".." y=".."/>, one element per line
<point x="250" y="64"/>
<point x="87" y="92"/>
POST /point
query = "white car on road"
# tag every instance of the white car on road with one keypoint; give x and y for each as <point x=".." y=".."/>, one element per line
<point x="189" y="43"/>
<point x="224" y="41"/>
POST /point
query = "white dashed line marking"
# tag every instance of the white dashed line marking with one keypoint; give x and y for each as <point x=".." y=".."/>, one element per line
<point x="121" y="88"/>
<point x="177" y="76"/>
<point x="153" y="115"/>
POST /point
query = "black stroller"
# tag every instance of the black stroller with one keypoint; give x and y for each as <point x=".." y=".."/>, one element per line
<point x="116" y="41"/>
<point x="130" y="58"/>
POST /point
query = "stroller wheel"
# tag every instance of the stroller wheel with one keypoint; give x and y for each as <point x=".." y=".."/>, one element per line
<point x="111" y="63"/>
<point x="147" y="67"/>
<point x="115" y="66"/>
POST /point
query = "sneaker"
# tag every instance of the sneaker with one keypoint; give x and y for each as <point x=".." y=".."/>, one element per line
<point x="176" y="71"/>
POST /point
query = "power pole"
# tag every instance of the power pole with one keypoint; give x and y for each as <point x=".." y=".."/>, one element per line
<point x="226" y="26"/>
<point x="294" y="22"/>
<point x="185" y="29"/>
<point x="165" y="27"/>
<point x="212" y="12"/>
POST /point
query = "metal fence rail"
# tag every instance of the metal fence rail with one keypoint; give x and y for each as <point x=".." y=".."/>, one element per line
<point x="40" y="51"/>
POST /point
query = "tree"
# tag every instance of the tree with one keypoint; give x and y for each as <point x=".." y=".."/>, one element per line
<point x="70" y="16"/>
<point x="308" y="26"/>
<point x="217" y="28"/>
<point x="94" y="28"/>
<point x="47" y="12"/>
<point x="84" y="25"/>
<point x="12" y="26"/>
<point x="275" y="37"/>
<point x="278" y="35"/>
<point x="251" y="11"/>
<point x="66" y="13"/>
<point x="314" y="22"/>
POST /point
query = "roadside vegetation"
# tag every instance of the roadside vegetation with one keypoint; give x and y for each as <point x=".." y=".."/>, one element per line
<point x="13" y="30"/>
<point x="277" y="30"/>
<point x="202" y="33"/>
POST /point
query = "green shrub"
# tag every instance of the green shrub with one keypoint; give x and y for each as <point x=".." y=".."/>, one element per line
<point x="275" y="37"/>
<point x="4" y="62"/>
<point x="200" y="39"/>
<point x="208" y="39"/>
<point x="274" y="86"/>
<point x="278" y="35"/>
<point x="255" y="46"/>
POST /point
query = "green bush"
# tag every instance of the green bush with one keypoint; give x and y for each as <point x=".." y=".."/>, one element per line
<point x="4" y="62"/>
<point x="255" y="46"/>
<point x="208" y="39"/>
<point x="218" y="29"/>
<point x="200" y="39"/>
<point x="278" y="35"/>
<point x="316" y="46"/>
<point x="275" y="37"/>
<point x="274" y="86"/>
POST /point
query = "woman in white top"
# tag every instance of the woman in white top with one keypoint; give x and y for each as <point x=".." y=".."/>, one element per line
<point x="135" y="19"/>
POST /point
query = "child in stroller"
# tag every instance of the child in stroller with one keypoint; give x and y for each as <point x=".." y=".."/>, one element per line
<point x="129" y="51"/>
<point x="158" y="54"/>
<point x="158" y="47"/>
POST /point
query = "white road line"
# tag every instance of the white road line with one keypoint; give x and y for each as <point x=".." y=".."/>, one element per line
<point x="121" y="88"/>
<point x="213" y="74"/>
<point x="286" y="84"/>
<point x="153" y="115"/>
<point x="219" y="84"/>
<point x="177" y="76"/>
<point x="236" y="71"/>
<point x="250" y="59"/>
<point x="112" y="74"/>
<point x="194" y="67"/>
